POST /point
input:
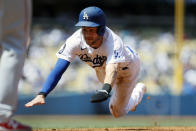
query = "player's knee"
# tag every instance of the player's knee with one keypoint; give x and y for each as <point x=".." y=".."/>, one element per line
<point x="116" y="111"/>
<point x="16" y="57"/>
<point x="17" y="53"/>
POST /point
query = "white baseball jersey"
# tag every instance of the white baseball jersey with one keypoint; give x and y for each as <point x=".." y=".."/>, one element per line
<point x="112" y="50"/>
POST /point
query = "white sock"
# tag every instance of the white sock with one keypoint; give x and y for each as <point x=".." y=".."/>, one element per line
<point x="137" y="95"/>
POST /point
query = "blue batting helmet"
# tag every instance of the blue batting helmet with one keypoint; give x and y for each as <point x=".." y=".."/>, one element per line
<point x="92" y="17"/>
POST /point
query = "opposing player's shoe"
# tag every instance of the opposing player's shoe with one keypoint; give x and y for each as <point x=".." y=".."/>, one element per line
<point x="13" y="125"/>
<point x="141" y="88"/>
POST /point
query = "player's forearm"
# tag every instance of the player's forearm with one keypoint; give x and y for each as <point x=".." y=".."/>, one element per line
<point x="111" y="72"/>
<point x="54" y="76"/>
<point x="50" y="83"/>
<point x="110" y="77"/>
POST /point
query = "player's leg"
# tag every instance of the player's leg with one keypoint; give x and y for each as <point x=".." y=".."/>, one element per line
<point x="1" y="18"/>
<point x="15" y="31"/>
<point x="0" y="49"/>
<point x="122" y="100"/>
<point x="136" y="96"/>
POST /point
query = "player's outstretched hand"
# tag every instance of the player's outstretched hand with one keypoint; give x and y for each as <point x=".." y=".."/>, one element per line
<point x="99" y="96"/>
<point x="38" y="100"/>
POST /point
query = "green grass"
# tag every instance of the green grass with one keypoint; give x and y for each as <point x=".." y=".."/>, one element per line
<point x="100" y="121"/>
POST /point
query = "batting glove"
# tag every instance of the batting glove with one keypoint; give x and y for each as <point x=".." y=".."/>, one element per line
<point x="101" y="95"/>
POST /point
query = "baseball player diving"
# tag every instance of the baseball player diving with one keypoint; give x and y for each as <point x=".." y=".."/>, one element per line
<point x="116" y="66"/>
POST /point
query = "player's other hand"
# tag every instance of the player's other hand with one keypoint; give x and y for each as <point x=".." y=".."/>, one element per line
<point x="99" y="96"/>
<point x="38" y="100"/>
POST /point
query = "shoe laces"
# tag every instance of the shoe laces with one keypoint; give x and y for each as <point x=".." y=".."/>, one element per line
<point x="13" y="123"/>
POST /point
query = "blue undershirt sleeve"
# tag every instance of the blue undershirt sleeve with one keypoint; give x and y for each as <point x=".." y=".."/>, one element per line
<point x="54" y="76"/>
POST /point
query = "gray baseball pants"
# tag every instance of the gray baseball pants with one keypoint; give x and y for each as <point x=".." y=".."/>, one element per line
<point x="15" y="17"/>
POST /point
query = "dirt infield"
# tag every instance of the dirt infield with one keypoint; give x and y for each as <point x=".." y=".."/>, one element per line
<point x="125" y="129"/>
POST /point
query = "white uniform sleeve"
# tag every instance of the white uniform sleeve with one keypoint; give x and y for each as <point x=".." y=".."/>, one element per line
<point x="116" y="52"/>
<point x="67" y="51"/>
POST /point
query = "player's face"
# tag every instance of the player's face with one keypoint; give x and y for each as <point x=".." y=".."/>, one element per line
<point x="91" y="37"/>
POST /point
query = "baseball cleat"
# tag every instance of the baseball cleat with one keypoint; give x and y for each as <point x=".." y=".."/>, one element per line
<point x="142" y="87"/>
<point x="13" y="125"/>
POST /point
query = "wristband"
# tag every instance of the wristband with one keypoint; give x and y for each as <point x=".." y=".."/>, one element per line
<point x="107" y="87"/>
<point x="42" y="93"/>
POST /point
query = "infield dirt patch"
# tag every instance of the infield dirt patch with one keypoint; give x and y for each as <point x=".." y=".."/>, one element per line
<point x="125" y="129"/>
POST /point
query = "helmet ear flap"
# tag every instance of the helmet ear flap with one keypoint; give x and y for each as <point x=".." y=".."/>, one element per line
<point x="101" y="30"/>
